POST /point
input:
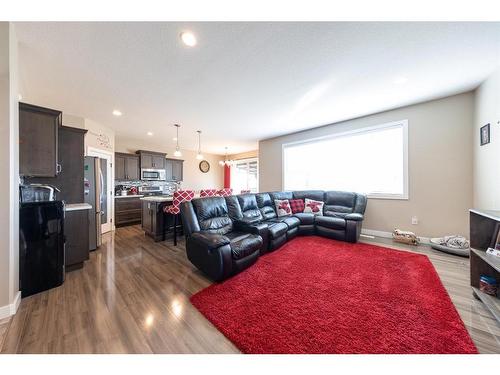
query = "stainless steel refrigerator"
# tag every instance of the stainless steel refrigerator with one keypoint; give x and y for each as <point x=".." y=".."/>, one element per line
<point x="94" y="195"/>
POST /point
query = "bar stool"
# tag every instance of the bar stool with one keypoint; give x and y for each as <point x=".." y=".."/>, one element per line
<point x="174" y="209"/>
<point x="208" y="193"/>
<point x="226" y="192"/>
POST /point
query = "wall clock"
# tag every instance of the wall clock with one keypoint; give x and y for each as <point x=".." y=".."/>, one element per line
<point x="204" y="166"/>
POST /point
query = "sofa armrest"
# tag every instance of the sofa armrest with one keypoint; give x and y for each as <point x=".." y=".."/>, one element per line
<point x="249" y="225"/>
<point x="210" y="240"/>
<point x="354" y="217"/>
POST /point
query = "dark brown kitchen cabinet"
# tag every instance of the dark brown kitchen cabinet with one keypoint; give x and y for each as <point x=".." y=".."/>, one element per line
<point x="38" y="140"/>
<point x="127" y="210"/>
<point x="151" y="159"/>
<point x="71" y="160"/>
<point x="126" y="167"/>
<point x="174" y="168"/>
<point x="76" y="231"/>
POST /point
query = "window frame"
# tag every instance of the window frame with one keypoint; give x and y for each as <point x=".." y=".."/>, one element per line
<point x="365" y="129"/>
<point x="248" y="161"/>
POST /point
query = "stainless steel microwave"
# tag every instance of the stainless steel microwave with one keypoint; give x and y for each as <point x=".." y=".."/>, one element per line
<point x="153" y="174"/>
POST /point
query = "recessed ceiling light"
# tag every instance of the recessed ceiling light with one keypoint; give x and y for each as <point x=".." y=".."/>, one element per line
<point x="188" y="38"/>
<point x="400" y="80"/>
<point x="149" y="133"/>
<point x="117" y="112"/>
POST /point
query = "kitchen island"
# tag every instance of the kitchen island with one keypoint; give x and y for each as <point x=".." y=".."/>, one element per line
<point x="152" y="216"/>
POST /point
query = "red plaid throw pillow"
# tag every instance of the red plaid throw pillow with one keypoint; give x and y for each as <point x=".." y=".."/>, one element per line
<point x="297" y="205"/>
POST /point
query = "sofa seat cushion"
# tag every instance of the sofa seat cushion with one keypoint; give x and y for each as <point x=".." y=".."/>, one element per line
<point x="243" y="244"/>
<point x="335" y="214"/>
<point x="330" y="222"/>
<point x="305" y="218"/>
<point x="290" y="221"/>
<point x="276" y="229"/>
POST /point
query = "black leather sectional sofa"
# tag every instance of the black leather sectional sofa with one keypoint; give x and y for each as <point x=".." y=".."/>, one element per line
<point x="225" y="235"/>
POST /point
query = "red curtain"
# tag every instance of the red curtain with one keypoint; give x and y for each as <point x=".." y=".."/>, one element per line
<point x="227" y="176"/>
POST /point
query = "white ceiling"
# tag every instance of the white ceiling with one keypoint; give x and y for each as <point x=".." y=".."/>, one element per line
<point x="246" y="81"/>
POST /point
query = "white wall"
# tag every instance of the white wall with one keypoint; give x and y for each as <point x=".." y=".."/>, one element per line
<point x="487" y="157"/>
<point x="194" y="179"/>
<point x="440" y="166"/>
<point x="9" y="172"/>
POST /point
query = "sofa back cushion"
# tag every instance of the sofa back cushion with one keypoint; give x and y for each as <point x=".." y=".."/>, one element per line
<point x="316" y="195"/>
<point x="212" y="214"/>
<point x="281" y="195"/>
<point x="233" y="207"/>
<point x="266" y="205"/>
<point x="249" y="208"/>
<point x="339" y="202"/>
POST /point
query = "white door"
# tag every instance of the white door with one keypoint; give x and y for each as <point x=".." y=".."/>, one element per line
<point x="106" y="160"/>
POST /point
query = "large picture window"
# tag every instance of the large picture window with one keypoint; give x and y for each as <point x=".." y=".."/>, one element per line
<point x="371" y="160"/>
<point x="245" y="175"/>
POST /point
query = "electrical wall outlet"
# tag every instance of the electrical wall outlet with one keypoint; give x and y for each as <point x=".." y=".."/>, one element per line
<point x="414" y="220"/>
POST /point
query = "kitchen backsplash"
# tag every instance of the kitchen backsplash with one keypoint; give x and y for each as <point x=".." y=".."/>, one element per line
<point x="168" y="187"/>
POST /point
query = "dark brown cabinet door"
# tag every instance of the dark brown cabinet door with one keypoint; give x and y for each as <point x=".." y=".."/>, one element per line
<point x="76" y="231"/>
<point x="177" y="170"/>
<point x="158" y="161"/>
<point x="132" y="167"/>
<point x="146" y="160"/>
<point x="126" y="167"/>
<point x="147" y="216"/>
<point x="38" y="134"/>
<point x="168" y="169"/>
<point x="120" y="167"/>
<point x="174" y="169"/>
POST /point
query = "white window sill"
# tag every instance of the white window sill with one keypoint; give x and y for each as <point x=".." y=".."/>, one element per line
<point x="388" y="196"/>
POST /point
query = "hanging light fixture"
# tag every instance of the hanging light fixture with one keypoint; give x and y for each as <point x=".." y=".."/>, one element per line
<point x="199" y="155"/>
<point x="226" y="161"/>
<point x="177" y="152"/>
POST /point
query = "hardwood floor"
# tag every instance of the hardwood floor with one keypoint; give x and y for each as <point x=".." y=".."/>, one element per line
<point x="132" y="296"/>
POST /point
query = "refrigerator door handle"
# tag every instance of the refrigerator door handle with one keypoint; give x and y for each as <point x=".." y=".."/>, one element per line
<point x="101" y="190"/>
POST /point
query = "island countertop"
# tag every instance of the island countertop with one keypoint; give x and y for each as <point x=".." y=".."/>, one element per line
<point x="157" y="198"/>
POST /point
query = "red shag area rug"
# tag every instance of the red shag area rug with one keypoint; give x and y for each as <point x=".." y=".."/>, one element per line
<point x="316" y="295"/>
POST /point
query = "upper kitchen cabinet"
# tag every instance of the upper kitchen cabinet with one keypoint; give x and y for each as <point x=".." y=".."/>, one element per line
<point x="151" y="160"/>
<point x="69" y="179"/>
<point x="174" y="168"/>
<point x="38" y="140"/>
<point x="126" y="167"/>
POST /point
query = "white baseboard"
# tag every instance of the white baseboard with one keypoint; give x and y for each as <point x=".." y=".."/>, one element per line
<point x="9" y="310"/>
<point x="379" y="233"/>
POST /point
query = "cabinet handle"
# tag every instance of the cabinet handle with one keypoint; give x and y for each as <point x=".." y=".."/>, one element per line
<point x="58" y="168"/>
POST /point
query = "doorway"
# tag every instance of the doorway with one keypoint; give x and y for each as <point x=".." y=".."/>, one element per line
<point x="107" y="206"/>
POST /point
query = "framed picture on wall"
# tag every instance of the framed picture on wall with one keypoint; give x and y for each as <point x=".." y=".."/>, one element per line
<point x="485" y="134"/>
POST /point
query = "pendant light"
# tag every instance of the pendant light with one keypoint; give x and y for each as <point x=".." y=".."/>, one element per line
<point x="199" y="155"/>
<point x="177" y="152"/>
<point x="226" y="161"/>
